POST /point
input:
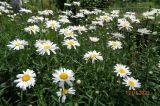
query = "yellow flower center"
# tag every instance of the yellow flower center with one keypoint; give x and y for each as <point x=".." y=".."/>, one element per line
<point x="131" y="83"/>
<point x="70" y="33"/>
<point x="32" y="28"/>
<point x="70" y="42"/>
<point x="18" y="44"/>
<point x="126" y="24"/>
<point x="93" y="56"/>
<point x="121" y="70"/>
<point x="47" y="46"/>
<point x="65" y="91"/>
<point x="26" y="77"/>
<point x="63" y="76"/>
<point x="106" y="17"/>
<point x="114" y="44"/>
<point x="52" y="24"/>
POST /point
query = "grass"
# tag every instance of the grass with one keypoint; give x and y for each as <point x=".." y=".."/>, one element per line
<point x="100" y="86"/>
<point x="137" y="7"/>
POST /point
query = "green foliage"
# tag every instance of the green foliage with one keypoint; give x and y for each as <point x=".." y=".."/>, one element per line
<point x="94" y="3"/>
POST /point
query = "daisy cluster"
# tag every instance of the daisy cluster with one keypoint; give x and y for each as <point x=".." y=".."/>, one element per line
<point x="151" y="14"/>
<point x="43" y="24"/>
<point x="5" y="8"/>
<point x="64" y="78"/>
<point x="124" y="72"/>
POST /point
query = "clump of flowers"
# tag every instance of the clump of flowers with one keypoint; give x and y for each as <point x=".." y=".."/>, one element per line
<point x="123" y="71"/>
<point x="132" y="17"/>
<point x="151" y="14"/>
<point x="71" y="35"/>
<point x="63" y="76"/>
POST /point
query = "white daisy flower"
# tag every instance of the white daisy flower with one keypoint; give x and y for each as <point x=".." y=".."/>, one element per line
<point x="93" y="55"/>
<point x="76" y="3"/>
<point x="117" y="35"/>
<point x="67" y="12"/>
<point x="115" y="44"/>
<point x="94" y="39"/>
<point x="105" y="18"/>
<point x="40" y="43"/>
<point x="63" y="75"/>
<point x="63" y="92"/>
<point x="84" y="11"/>
<point x="121" y="70"/>
<point x="129" y="15"/>
<point x="144" y="31"/>
<point x="52" y="24"/>
<point x="99" y="22"/>
<point x="35" y="19"/>
<point x="68" y="33"/>
<point x="67" y="4"/>
<point x="97" y="11"/>
<point x="92" y="27"/>
<point x="135" y="20"/>
<point x="132" y="83"/>
<point x="115" y="13"/>
<point x="23" y="10"/>
<point x="71" y="43"/>
<point x="78" y="15"/>
<point x="149" y="15"/>
<point x="64" y="20"/>
<point x="45" y="12"/>
<point x="80" y="29"/>
<point x="32" y="29"/>
<point x="45" y="46"/>
<point x="123" y="23"/>
<point x="17" y="44"/>
<point x="25" y="80"/>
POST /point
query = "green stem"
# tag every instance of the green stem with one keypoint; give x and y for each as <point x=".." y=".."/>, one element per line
<point x="21" y="97"/>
